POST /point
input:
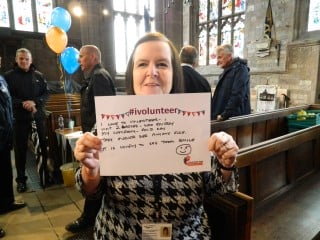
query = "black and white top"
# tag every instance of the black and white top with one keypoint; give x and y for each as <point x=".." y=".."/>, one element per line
<point x="130" y="201"/>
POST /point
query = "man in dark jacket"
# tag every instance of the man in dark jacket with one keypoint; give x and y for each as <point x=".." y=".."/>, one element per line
<point x="7" y="201"/>
<point x="28" y="89"/>
<point x="97" y="82"/>
<point x="194" y="82"/>
<point x="232" y="94"/>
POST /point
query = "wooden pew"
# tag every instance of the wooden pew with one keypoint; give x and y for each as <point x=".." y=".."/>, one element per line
<point x="64" y="97"/>
<point x="52" y="125"/>
<point x="270" y="168"/>
<point x="58" y="106"/>
<point x="271" y="160"/>
<point x="230" y="216"/>
<point x="255" y="128"/>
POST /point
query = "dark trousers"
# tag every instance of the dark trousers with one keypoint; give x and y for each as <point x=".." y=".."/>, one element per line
<point x="91" y="209"/>
<point x="22" y="129"/>
<point x="6" y="185"/>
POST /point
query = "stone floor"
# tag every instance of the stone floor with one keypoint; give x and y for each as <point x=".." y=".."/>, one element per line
<point x="294" y="216"/>
<point x="47" y="212"/>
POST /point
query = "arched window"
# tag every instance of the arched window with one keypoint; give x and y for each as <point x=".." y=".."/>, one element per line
<point x="132" y="19"/>
<point x="220" y="21"/>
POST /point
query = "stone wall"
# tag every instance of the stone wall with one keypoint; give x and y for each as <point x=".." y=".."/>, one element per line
<point x="296" y="69"/>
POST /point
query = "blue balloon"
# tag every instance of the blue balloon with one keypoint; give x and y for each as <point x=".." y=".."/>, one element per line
<point x="61" y="18"/>
<point x="69" y="59"/>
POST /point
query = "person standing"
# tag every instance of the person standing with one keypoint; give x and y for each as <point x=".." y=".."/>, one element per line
<point x="131" y="204"/>
<point x="232" y="94"/>
<point x="97" y="82"/>
<point x="7" y="201"/>
<point x="194" y="82"/>
<point x="29" y="92"/>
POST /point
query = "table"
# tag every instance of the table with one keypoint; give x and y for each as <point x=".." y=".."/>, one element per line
<point x="65" y="137"/>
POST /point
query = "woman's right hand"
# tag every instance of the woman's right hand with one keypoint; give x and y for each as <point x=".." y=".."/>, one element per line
<point x="87" y="150"/>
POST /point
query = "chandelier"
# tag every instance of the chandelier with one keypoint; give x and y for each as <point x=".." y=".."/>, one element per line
<point x="169" y="3"/>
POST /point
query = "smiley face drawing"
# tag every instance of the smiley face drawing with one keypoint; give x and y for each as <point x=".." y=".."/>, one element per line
<point x="185" y="150"/>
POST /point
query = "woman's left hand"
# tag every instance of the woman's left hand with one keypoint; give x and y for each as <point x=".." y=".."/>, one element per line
<point x="224" y="147"/>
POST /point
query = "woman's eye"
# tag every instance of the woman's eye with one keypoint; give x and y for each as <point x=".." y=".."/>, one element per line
<point x="141" y="64"/>
<point x="163" y="65"/>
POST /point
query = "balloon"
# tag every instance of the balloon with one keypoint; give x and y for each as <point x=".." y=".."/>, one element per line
<point x="56" y="39"/>
<point x="69" y="59"/>
<point x="61" y="18"/>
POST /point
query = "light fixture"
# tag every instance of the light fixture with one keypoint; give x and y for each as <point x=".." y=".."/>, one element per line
<point x="105" y="12"/>
<point x="167" y="4"/>
<point x="77" y="10"/>
<point x="189" y="2"/>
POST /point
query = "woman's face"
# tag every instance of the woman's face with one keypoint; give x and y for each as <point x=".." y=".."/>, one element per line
<point x="152" y="68"/>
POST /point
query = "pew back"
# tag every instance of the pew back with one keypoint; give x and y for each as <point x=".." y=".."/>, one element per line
<point x="271" y="160"/>
<point x="230" y="216"/>
<point x="67" y="105"/>
<point x="255" y="128"/>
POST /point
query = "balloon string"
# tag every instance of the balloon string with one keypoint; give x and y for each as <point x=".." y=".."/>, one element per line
<point x="61" y="73"/>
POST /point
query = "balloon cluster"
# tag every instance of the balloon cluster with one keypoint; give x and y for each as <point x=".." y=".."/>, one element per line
<point x="57" y="39"/>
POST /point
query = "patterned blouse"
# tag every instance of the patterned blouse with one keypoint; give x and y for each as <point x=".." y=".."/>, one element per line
<point x="130" y="201"/>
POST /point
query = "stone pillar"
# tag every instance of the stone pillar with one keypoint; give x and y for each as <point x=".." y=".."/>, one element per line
<point x="169" y="20"/>
<point x="97" y="29"/>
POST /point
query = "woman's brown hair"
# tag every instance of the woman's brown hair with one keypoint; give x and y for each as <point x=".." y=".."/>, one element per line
<point x="177" y="81"/>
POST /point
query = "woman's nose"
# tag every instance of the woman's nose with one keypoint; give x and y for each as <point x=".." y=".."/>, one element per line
<point x="152" y="70"/>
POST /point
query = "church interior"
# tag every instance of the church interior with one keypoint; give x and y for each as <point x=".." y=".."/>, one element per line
<point x="278" y="164"/>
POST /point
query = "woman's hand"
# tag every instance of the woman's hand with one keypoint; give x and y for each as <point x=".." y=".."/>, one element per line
<point x="87" y="152"/>
<point x="224" y="147"/>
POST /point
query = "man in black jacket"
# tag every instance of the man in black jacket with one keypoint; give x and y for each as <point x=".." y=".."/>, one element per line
<point x="232" y="94"/>
<point x="28" y="89"/>
<point x="193" y="81"/>
<point x="97" y="82"/>
<point x="7" y="201"/>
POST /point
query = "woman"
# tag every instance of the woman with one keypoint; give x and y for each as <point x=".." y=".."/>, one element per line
<point x="132" y="201"/>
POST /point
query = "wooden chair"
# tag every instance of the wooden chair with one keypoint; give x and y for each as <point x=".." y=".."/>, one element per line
<point x="230" y="216"/>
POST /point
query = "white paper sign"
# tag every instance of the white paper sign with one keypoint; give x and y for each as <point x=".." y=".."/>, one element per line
<point x="154" y="134"/>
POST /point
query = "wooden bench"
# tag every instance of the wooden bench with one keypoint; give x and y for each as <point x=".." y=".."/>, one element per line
<point x="59" y="104"/>
<point x="58" y="107"/>
<point x="230" y="216"/>
<point x="255" y="128"/>
<point x="54" y="148"/>
<point x="270" y="168"/>
<point x="63" y="96"/>
<point x="271" y="160"/>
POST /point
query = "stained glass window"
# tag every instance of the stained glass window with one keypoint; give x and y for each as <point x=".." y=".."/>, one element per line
<point x="314" y="16"/>
<point x="43" y="9"/>
<point x="4" y="15"/>
<point x="132" y="19"/>
<point x="22" y="12"/>
<point x="220" y="21"/>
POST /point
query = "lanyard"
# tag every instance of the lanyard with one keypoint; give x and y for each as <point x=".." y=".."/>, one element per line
<point x="156" y="179"/>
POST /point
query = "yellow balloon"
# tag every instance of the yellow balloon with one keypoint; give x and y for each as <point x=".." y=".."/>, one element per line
<point x="56" y="39"/>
